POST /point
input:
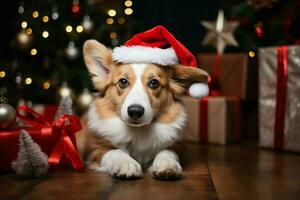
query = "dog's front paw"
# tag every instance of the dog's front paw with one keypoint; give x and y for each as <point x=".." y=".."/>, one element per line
<point x="165" y="167"/>
<point x="120" y="165"/>
<point x="127" y="169"/>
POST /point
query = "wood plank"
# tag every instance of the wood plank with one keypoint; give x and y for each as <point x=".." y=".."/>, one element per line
<point x="240" y="171"/>
<point x="195" y="159"/>
<point x="192" y="186"/>
<point x="13" y="187"/>
<point x="71" y="185"/>
<point x="247" y="172"/>
<point x="195" y="184"/>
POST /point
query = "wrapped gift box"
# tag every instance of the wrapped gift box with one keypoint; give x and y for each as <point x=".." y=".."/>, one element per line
<point x="212" y="119"/>
<point x="236" y="73"/>
<point x="57" y="139"/>
<point x="279" y="97"/>
<point x="9" y="144"/>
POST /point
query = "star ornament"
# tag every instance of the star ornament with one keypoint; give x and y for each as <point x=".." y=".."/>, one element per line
<point x="220" y="33"/>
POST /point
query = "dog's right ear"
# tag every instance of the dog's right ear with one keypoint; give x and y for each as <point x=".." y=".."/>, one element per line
<point x="98" y="60"/>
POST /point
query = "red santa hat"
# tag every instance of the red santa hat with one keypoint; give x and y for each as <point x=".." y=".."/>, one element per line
<point x="159" y="46"/>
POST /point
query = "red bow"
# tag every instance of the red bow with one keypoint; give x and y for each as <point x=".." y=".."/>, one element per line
<point x="65" y="127"/>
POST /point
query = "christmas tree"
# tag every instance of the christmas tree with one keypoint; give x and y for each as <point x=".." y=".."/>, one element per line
<point x="47" y="48"/>
<point x="31" y="162"/>
<point x="64" y="107"/>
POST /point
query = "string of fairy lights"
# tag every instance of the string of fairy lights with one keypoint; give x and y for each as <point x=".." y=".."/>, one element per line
<point x="86" y="26"/>
<point x="25" y="36"/>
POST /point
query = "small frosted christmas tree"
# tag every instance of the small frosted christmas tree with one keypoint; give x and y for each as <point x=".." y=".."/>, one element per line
<point x="32" y="161"/>
<point x="65" y="107"/>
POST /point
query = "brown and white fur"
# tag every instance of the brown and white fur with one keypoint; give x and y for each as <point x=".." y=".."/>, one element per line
<point x="111" y="140"/>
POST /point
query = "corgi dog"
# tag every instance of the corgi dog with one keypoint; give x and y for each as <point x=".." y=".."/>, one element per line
<point x="137" y="120"/>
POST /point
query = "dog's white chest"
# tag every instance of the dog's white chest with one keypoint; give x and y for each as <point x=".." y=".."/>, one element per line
<point x="142" y="143"/>
<point x="145" y="144"/>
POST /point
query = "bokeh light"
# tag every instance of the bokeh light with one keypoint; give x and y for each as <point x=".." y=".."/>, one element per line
<point x="128" y="11"/>
<point x="112" y="12"/>
<point x="33" y="52"/>
<point x="28" y="81"/>
<point x="35" y="14"/>
<point x="109" y="21"/>
<point x="69" y="28"/>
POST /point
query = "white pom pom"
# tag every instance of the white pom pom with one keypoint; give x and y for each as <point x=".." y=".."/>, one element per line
<point x="198" y="90"/>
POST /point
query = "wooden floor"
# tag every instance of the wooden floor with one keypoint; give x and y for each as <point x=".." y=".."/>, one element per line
<point x="212" y="172"/>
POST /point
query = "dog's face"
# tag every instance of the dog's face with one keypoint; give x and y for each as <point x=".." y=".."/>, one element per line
<point x="137" y="93"/>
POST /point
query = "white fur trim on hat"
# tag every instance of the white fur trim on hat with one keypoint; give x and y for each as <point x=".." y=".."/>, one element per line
<point x="141" y="54"/>
<point x="198" y="90"/>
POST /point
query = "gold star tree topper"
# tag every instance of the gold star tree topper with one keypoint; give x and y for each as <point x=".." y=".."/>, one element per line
<point x="220" y="33"/>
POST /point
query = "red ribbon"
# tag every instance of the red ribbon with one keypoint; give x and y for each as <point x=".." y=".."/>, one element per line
<point x="65" y="128"/>
<point x="282" y="73"/>
<point x="203" y="137"/>
<point x="214" y="81"/>
<point x="35" y="119"/>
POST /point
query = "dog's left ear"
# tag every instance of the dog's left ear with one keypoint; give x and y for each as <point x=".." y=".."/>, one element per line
<point x="191" y="78"/>
<point x="188" y="75"/>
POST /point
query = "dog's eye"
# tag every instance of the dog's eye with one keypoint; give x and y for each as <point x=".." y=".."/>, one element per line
<point x="153" y="84"/>
<point x="123" y="83"/>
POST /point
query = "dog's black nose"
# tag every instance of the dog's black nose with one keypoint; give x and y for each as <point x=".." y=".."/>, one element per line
<point x="135" y="111"/>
